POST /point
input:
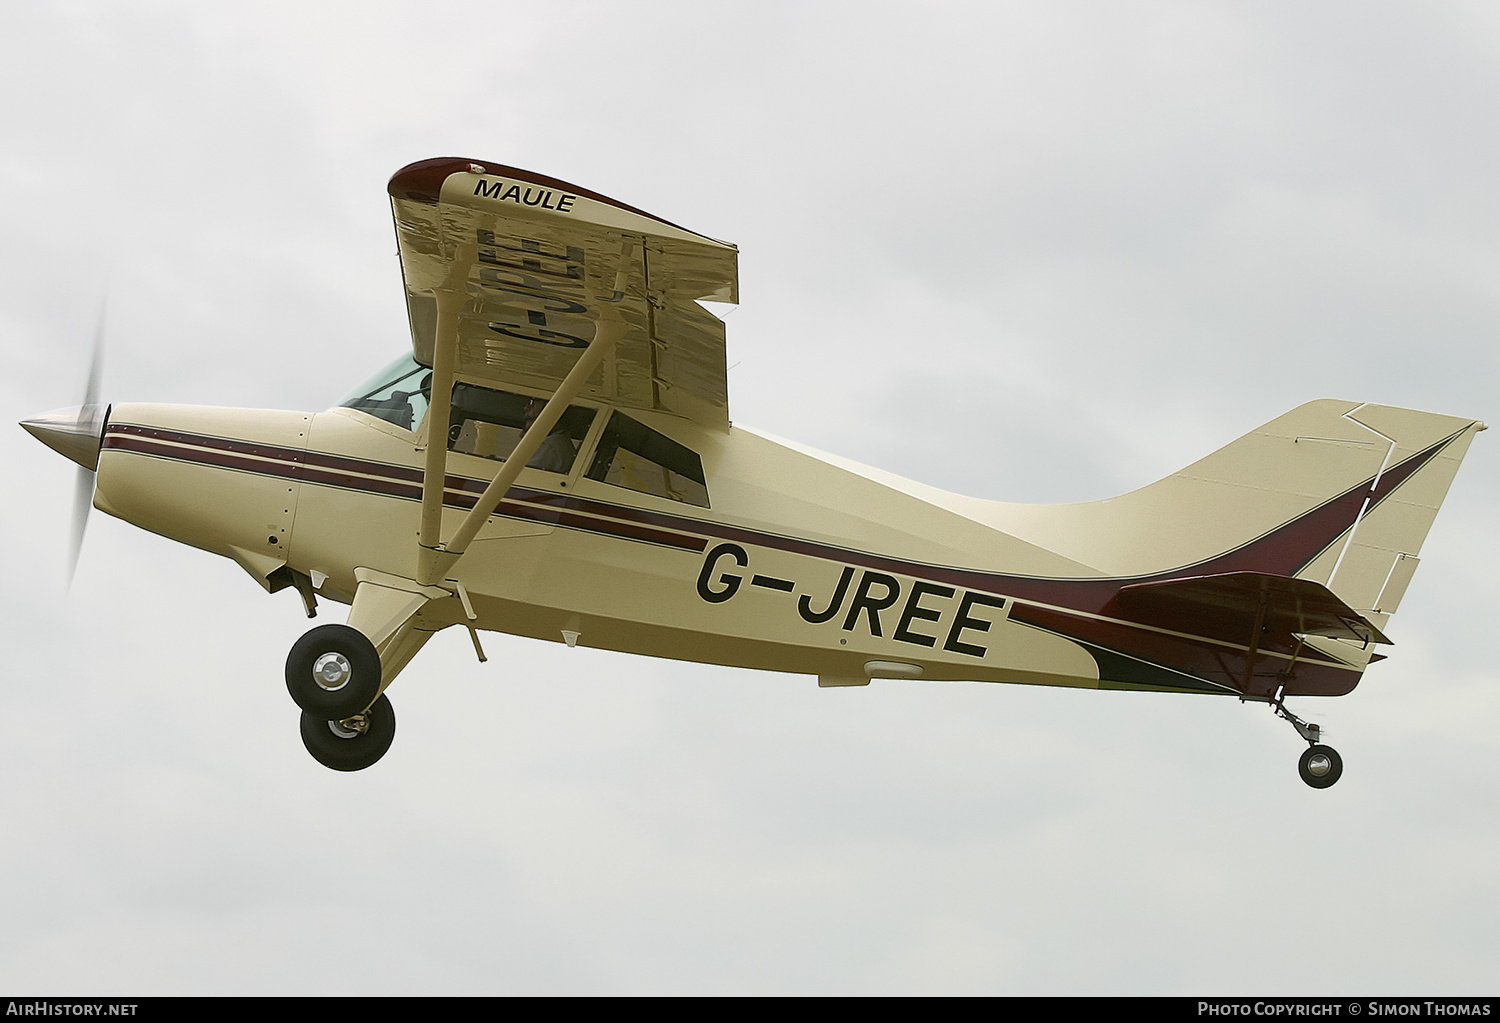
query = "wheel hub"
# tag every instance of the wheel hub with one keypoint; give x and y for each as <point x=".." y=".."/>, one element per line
<point x="331" y="671"/>
<point x="1319" y="765"/>
<point x="350" y="728"/>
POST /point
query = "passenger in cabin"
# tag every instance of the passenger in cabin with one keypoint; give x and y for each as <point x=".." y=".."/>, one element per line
<point x="557" y="452"/>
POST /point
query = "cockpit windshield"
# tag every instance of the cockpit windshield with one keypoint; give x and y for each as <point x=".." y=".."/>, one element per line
<point x="398" y="393"/>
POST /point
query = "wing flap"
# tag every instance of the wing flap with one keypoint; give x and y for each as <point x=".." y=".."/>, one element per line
<point x="1229" y="606"/>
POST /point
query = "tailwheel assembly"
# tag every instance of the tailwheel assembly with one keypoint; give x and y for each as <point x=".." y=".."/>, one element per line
<point x="1320" y="766"/>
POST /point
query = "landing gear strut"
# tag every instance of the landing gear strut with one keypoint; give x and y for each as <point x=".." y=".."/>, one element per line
<point x="1320" y="766"/>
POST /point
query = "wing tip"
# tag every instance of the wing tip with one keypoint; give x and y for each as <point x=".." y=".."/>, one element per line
<point x="423" y="182"/>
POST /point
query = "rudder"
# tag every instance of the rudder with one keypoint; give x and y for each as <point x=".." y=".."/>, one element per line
<point x="1370" y="563"/>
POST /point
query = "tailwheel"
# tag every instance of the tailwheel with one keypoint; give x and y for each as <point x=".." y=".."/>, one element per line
<point x="1320" y="766"/>
<point x="352" y="743"/>
<point x="333" y="672"/>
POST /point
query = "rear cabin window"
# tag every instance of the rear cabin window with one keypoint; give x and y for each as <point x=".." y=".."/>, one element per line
<point x="634" y="456"/>
<point x="489" y="423"/>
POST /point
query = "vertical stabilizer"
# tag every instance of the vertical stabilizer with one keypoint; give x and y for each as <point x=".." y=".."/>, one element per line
<point x="1370" y="563"/>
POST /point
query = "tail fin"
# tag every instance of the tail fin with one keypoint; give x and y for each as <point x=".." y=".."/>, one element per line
<point x="1336" y="492"/>
<point x="1370" y="563"/>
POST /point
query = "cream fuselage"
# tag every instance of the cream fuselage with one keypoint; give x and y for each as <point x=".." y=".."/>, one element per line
<point x="799" y="565"/>
<point x="1201" y="582"/>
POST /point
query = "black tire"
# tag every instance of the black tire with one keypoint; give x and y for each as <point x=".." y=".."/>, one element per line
<point x="333" y="698"/>
<point x="342" y="746"/>
<point x="1320" y="766"/>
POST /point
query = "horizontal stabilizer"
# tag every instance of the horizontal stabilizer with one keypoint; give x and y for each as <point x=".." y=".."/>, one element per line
<point x="1239" y="607"/>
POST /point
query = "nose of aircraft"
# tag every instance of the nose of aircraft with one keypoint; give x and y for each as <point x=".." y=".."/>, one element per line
<point x="75" y="432"/>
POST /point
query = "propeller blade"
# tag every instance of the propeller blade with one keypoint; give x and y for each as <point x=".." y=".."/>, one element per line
<point x="78" y="433"/>
<point x="96" y="362"/>
<point x="91" y="415"/>
<point x="83" y="500"/>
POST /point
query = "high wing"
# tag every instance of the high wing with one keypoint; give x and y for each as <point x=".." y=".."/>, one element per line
<point x="538" y="259"/>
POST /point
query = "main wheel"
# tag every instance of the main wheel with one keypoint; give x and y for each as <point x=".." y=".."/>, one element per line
<point x="353" y="743"/>
<point x="1320" y="766"/>
<point x="333" y="672"/>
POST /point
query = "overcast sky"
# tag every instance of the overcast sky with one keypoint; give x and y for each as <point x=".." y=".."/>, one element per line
<point x="1026" y="251"/>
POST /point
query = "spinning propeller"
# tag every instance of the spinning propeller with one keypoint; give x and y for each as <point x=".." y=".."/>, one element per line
<point x="78" y="432"/>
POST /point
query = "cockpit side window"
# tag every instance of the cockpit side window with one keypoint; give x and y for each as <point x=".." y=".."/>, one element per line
<point x="634" y="456"/>
<point x="398" y="393"/>
<point x="490" y="423"/>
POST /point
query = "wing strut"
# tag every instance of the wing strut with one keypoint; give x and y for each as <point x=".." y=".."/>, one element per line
<point x="439" y="415"/>
<point x="434" y="560"/>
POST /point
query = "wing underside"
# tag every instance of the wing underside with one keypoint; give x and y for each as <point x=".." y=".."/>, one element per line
<point x="538" y="258"/>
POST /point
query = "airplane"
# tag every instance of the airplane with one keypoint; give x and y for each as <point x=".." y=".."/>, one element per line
<point x="554" y="459"/>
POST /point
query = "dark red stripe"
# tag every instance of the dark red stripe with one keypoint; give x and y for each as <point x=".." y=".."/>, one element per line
<point x="205" y="456"/>
<point x="1283" y="550"/>
<point x="289" y="463"/>
<point x="1313" y="674"/>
